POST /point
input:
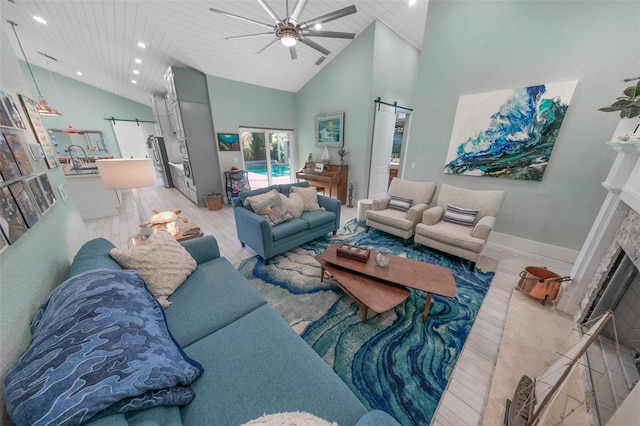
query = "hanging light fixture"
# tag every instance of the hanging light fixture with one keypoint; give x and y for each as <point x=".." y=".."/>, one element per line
<point x="41" y="105"/>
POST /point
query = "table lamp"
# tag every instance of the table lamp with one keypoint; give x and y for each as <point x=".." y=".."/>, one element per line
<point x="129" y="174"/>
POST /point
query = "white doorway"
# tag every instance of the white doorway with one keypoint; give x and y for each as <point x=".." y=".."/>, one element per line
<point x="132" y="137"/>
<point x="390" y="137"/>
<point x="267" y="156"/>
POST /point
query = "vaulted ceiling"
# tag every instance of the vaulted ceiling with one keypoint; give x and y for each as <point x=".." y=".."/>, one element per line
<point x="99" y="39"/>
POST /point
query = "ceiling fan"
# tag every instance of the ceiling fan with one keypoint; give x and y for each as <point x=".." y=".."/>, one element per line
<point x="290" y="30"/>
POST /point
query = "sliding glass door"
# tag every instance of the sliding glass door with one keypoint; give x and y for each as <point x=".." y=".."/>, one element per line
<point x="267" y="156"/>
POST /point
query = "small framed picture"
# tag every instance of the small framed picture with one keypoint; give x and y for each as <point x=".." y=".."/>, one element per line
<point x="330" y="130"/>
<point x="62" y="189"/>
<point x="228" y="142"/>
<point x="318" y="167"/>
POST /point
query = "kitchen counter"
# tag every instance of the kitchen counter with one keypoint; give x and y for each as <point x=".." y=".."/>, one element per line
<point x="93" y="199"/>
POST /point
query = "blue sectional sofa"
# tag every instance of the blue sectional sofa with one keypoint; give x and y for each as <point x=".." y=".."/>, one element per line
<point x="254" y="231"/>
<point x="254" y="363"/>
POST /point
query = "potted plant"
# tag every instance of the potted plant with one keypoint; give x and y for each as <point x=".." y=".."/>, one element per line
<point x="341" y="152"/>
<point x="629" y="107"/>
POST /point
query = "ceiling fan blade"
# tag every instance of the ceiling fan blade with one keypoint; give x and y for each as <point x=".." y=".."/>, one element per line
<point x="249" y="36"/>
<point x="242" y="18"/>
<point x="315" y="46"/>
<point x="333" y="34"/>
<point x="292" y="52"/>
<point x="297" y="9"/>
<point x="329" y="17"/>
<point x="267" y="46"/>
<point x="270" y="11"/>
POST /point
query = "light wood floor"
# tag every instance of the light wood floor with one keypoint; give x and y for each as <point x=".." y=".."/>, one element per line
<point x="467" y="395"/>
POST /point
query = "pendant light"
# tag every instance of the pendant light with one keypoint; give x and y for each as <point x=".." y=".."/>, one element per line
<point x="41" y="105"/>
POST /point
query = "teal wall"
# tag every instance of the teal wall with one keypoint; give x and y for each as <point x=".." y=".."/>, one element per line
<point x="235" y="104"/>
<point x="480" y="46"/>
<point x="31" y="267"/>
<point x="364" y="70"/>
<point x="83" y="106"/>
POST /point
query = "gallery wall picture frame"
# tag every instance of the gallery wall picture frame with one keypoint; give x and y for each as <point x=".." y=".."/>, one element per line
<point x="8" y="165"/>
<point x="48" y="190"/>
<point x="3" y="241"/>
<point x="62" y="189"/>
<point x="228" y="142"/>
<point x="42" y="136"/>
<point x="12" y="223"/>
<point x="10" y="107"/>
<point x="38" y="194"/>
<point x="26" y="202"/>
<point x="19" y="152"/>
<point x="329" y="130"/>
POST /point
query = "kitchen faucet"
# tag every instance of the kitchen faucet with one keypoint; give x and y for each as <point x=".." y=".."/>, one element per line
<point x="75" y="161"/>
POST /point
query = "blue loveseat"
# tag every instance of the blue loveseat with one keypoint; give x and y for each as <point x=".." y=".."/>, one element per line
<point x="254" y="363"/>
<point x="254" y="230"/>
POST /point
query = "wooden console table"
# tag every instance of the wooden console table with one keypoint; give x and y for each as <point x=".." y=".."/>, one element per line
<point x="333" y="179"/>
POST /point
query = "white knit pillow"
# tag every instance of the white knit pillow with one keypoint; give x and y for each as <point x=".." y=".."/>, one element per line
<point x="255" y="199"/>
<point x="289" y="419"/>
<point x="309" y="196"/>
<point x="294" y="204"/>
<point x="162" y="262"/>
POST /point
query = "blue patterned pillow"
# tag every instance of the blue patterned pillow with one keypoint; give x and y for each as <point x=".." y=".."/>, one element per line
<point x="399" y="203"/>
<point x="100" y="345"/>
<point x="455" y="214"/>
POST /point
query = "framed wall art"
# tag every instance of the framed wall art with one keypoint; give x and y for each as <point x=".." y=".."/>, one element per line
<point x="11" y="220"/>
<point x="330" y="130"/>
<point x="508" y="133"/>
<point x="228" y="142"/>
<point x="26" y="202"/>
<point x="42" y="136"/>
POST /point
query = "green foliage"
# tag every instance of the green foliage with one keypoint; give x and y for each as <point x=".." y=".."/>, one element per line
<point x="628" y="105"/>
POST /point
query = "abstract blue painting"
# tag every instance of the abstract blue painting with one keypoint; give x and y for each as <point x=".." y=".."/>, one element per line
<point x="508" y="133"/>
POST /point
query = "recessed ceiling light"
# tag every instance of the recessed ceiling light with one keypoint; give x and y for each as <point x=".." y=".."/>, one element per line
<point x="78" y="73"/>
<point x="39" y="19"/>
<point x="412" y="2"/>
<point x="134" y="81"/>
<point x="317" y="26"/>
<point x="136" y="72"/>
<point x="141" y="45"/>
<point x="138" y="61"/>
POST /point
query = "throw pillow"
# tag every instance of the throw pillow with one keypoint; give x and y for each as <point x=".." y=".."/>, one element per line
<point x="272" y="209"/>
<point x="287" y="419"/>
<point x="294" y="204"/>
<point x="162" y="262"/>
<point x="309" y="196"/>
<point x="455" y="214"/>
<point x="399" y="203"/>
<point x="250" y="201"/>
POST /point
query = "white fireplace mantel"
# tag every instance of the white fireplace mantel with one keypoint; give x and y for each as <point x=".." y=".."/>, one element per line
<point x="623" y="186"/>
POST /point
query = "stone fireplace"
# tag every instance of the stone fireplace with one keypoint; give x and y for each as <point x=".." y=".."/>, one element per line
<point x="605" y="277"/>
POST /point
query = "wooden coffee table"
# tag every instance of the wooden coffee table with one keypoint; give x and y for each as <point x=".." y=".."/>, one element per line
<point x="381" y="289"/>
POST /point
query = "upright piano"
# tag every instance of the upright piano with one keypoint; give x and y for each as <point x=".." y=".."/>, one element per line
<point x="334" y="179"/>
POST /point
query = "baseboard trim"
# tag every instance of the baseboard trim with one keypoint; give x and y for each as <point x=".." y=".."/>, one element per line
<point x="505" y="242"/>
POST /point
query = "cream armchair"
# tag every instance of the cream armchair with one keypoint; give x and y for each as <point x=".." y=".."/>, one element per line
<point x="401" y="210"/>
<point x="460" y="234"/>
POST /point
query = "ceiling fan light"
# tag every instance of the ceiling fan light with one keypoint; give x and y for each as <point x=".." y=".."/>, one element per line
<point x="288" y="40"/>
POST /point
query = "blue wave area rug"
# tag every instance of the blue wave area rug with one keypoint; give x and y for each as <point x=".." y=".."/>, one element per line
<point x="394" y="362"/>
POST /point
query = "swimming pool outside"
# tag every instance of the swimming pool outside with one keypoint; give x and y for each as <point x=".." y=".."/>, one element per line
<point x="277" y="170"/>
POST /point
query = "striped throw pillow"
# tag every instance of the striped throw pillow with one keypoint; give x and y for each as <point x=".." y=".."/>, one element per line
<point x="399" y="203"/>
<point x="455" y="214"/>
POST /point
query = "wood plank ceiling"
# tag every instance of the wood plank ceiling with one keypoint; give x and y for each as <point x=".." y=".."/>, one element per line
<point x="99" y="38"/>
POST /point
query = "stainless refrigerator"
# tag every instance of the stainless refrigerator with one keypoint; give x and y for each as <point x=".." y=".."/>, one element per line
<point x="158" y="153"/>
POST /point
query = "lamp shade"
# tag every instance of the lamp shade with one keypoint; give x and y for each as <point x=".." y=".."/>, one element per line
<point x="126" y="173"/>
